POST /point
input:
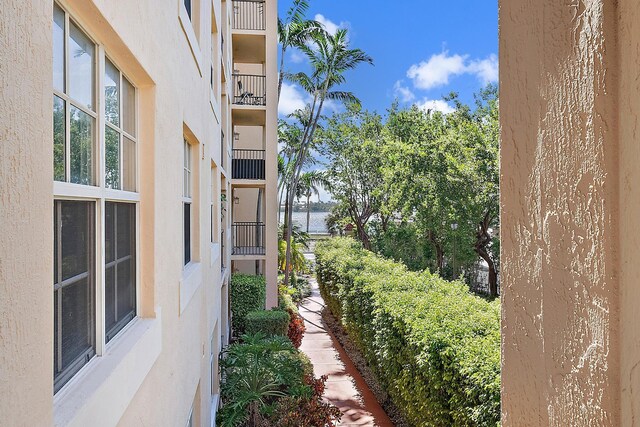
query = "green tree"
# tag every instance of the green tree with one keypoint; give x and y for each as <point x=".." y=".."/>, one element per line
<point x="352" y="143"/>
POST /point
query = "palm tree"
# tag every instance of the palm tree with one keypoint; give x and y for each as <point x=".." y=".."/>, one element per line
<point x="308" y="186"/>
<point x="330" y="57"/>
<point x="294" y="31"/>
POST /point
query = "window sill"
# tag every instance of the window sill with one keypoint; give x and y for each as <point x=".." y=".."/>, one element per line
<point x="103" y="389"/>
<point x="189" y="283"/>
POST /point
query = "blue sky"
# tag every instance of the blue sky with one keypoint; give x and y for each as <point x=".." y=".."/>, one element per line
<point x="422" y="49"/>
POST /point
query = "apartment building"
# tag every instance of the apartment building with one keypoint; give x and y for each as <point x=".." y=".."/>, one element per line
<point x="138" y="144"/>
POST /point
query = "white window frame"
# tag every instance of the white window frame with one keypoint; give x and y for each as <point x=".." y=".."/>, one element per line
<point x="187" y="197"/>
<point x="98" y="193"/>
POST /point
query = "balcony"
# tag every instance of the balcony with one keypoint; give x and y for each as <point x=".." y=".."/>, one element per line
<point x="250" y="89"/>
<point x="248" y="15"/>
<point x="248" y="238"/>
<point x="248" y="164"/>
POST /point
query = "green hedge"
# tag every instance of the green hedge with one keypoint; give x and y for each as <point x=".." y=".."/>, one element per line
<point x="433" y="346"/>
<point x="247" y="293"/>
<point x="270" y="323"/>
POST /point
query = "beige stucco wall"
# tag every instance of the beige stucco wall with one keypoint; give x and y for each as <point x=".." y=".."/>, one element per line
<point x="561" y="253"/>
<point x="26" y="213"/>
<point x="150" y="374"/>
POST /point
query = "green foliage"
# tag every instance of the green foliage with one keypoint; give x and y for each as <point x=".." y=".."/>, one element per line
<point x="270" y="323"/>
<point x="434" y="346"/>
<point x="404" y="243"/>
<point x="247" y="293"/>
<point x="257" y="373"/>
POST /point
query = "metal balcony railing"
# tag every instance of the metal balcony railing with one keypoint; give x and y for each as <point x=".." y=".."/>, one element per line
<point x="249" y="89"/>
<point x="248" y="238"/>
<point x="248" y="164"/>
<point x="248" y="15"/>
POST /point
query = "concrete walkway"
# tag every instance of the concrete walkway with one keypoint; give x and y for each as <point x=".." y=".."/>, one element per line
<point x="345" y="387"/>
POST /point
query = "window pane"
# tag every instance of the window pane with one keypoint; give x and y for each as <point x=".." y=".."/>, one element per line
<point x="112" y="158"/>
<point x="74" y="314"/>
<point x="111" y="93"/>
<point x="109" y="299"/>
<point x="128" y="107"/>
<point x="120" y="288"/>
<point x="128" y="164"/>
<point x="77" y="313"/>
<point x="76" y="233"/>
<point x="58" y="139"/>
<point x="187" y="233"/>
<point x="58" y="48"/>
<point x="82" y="136"/>
<point x="110" y="232"/>
<point x="187" y="5"/>
<point x="81" y="63"/>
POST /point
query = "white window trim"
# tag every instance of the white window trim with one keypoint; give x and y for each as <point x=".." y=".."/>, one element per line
<point x="190" y="33"/>
<point x="99" y="194"/>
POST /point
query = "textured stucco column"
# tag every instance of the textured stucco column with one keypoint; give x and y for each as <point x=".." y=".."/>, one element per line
<point x="26" y="214"/>
<point x="271" y="144"/>
<point x="560" y="213"/>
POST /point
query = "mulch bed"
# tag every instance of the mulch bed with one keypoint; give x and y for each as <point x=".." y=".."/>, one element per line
<point x="358" y="360"/>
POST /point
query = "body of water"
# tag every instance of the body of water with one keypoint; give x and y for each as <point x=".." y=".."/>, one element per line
<point x="316" y="221"/>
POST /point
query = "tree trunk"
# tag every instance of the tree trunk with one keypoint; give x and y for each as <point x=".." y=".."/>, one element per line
<point x="362" y="235"/>
<point x="483" y="239"/>
<point x="439" y="251"/>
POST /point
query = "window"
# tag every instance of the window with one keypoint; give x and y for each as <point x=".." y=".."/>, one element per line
<point x="187" y="5"/>
<point x="85" y="282"/>
<point x="215" y="198"/>
<point x="120" y="130"/>
<point x="186" y="202"/>
<point x="120" y="266"/>
<point x="73" y="288"/>
<point x="74" y="104"/>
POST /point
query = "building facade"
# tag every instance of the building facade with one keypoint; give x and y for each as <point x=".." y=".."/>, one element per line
<point x="138" y="145"/>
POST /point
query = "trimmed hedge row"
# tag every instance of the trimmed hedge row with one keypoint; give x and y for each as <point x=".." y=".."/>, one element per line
<point x="433" y="346"/>
<point x="248" y="293"/>
<point x="271" y="323"/>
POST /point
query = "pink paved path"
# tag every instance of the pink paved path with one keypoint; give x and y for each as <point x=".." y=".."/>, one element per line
<point x="345" y="387"/>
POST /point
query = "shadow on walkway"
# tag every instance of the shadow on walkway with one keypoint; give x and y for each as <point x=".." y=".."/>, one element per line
<point x="345" y="387"/>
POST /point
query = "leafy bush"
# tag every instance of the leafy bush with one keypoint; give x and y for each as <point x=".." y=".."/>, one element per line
<point x="296" y="327"/>
<point x="270" y="323"/>
<point x="306" y="411"/>
<point x="268" y="383"/>
<point x="434" y="347"/>
<point x="247" y="293"/>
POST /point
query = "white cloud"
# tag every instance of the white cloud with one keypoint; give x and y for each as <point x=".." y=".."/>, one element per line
<point x="329" y="25"/>
<point x="292" y="98"/>
<point x="438" y="69"/>
<point x="297" y="57"/>
<point x="435" y="105"/>
<point x="486" y="69"/>
<point x="402" y="92"/>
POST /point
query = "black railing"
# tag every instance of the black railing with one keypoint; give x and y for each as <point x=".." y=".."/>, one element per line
<point x="249" y="89"/>
<point x="222" y="253"/>
<point x="223" y="149"/>
<point x="248" y="238"/>
<point x="248" y="164"/>
<point x="248" y="15"/>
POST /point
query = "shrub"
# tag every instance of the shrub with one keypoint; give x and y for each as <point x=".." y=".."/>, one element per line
<point x="270" y="323"/>
<point x="258" y="372"/>
<point x="433" y="346"/>
<point x="306" y="411"/>
<point x="296" y="328"/>
<point x="247" y="293"/>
